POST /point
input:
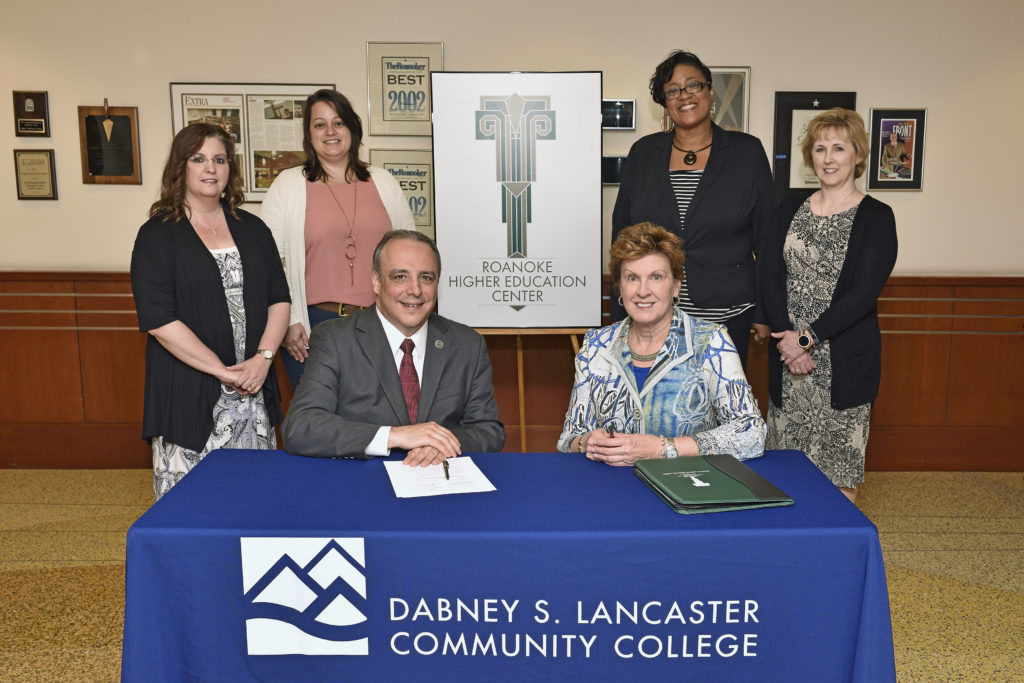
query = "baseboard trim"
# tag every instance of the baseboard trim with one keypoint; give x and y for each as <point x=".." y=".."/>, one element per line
<point x="942" y="448"/>
<point x="73" y="446"/>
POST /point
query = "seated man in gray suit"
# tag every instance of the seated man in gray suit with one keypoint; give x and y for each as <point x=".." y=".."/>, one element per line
<point x="361" y="392"/>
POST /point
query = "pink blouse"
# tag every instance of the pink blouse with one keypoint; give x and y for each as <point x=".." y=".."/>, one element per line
<point x="328" y="276"/>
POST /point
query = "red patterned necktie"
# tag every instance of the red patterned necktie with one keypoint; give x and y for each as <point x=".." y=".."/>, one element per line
<point x="410" y="382"/>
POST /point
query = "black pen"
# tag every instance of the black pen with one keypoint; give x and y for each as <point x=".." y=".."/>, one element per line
<point x="444" y="463"/>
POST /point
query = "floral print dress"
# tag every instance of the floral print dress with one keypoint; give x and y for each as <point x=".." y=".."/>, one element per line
<point x="238" y="421"/>
<point x="835" y="440"/>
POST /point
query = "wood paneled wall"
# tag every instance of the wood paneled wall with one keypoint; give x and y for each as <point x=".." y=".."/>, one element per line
<point x="952" y="375"/>
<point x="72" y="367"/>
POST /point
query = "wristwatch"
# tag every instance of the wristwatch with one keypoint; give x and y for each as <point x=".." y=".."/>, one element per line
<point x="807" y="339"/>
<point x="668" y="448"/>
<point x="266" y="353"/>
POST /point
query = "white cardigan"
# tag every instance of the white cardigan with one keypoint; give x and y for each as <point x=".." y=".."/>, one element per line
<point x="284" y="212"/>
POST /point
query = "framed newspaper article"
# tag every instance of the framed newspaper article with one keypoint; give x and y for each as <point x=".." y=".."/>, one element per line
<point x="263" y="119"/>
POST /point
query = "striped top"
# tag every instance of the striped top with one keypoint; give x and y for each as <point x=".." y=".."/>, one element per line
<point x="684" y="185"/>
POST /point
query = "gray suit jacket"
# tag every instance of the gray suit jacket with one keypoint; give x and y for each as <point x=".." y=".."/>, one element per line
<point x="350" y="388"/>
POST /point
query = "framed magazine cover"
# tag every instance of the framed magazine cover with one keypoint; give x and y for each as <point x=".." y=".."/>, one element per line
<point x="897" y="149"/>
<point x="793" y="111"/>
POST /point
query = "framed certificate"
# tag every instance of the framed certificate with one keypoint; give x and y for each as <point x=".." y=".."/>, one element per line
<point x="35" y="174"/>
<point x="398" y="86"/>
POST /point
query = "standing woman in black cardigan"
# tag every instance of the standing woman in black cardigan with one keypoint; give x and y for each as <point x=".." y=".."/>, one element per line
<point x="710" y="186"/>
<point x="827" y="261"/>
<point x="210" y="291"/>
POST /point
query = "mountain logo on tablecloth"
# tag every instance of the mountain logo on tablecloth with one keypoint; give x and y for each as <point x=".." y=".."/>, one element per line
<point x="304" y="596"/>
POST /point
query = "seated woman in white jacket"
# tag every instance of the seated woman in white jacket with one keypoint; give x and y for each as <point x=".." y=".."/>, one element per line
<point x="659" y="384"/>
<point x="327" y="217"/>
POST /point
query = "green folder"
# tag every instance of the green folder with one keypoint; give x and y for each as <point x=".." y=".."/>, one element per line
<point x="708" y="483"/>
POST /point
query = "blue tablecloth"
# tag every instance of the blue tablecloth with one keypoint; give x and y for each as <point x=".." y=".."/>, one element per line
<point x="570" y="569"/>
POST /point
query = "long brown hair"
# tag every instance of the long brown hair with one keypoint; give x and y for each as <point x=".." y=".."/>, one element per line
<point x="172" y="187"/>
<point x="313" y="169"/>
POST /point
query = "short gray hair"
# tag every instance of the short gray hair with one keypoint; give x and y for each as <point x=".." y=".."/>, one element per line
<point x="403" y="235"/>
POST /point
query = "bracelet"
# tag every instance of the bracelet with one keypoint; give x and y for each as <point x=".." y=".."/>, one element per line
<point x="580" y="446"/>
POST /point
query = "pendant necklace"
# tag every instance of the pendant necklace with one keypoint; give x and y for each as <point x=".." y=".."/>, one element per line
<point x="691" y="154"/>
<point x="211" y="227"/>
<point x="350" y="241"/>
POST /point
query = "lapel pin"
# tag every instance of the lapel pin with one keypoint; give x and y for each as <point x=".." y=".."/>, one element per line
<point x="438" y="344"/>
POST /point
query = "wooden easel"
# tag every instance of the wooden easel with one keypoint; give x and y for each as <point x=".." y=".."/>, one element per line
<point x="572" y="332"/>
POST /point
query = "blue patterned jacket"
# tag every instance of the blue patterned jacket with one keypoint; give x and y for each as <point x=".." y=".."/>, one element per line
<point x="695" y="388"/>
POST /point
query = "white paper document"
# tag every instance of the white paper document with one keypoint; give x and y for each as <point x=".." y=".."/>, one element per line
<point x="414" y="482"/>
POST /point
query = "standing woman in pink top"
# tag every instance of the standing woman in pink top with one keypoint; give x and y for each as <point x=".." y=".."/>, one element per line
<point x="327" y="217"/>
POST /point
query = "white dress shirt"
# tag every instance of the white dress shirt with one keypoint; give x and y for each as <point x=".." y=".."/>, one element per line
<point x="379" y="444"/>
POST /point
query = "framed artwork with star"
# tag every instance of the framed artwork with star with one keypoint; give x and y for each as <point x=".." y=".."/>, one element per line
<point x="793" y="111"/>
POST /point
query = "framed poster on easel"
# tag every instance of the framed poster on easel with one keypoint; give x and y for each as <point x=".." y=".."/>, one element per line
<point x="517" y="198"/>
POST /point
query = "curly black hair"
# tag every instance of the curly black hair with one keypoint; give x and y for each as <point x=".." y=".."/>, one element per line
<point x="663" y="72"/>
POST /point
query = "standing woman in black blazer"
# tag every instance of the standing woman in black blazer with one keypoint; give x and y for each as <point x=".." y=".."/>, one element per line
<point x="210" y="291"/>
<point x="827" y="261"/>
<point x="711" y="187"/>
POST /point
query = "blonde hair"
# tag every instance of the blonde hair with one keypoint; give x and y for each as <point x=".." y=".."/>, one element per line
<point x="841" y="119"/>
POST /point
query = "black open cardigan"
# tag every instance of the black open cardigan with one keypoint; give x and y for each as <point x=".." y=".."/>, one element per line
<point x="174" y="277"/>
<point x="850" y="323"/>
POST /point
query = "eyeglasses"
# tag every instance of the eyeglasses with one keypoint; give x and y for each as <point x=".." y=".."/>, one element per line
<point x="200" y="160"/>
<point x="693" y="87"/>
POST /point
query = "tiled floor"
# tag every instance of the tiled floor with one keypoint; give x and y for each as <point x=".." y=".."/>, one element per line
<point x="953" y="546"/>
